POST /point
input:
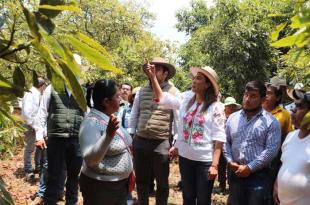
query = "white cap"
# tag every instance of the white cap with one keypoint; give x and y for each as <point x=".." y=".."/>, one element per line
<point x="299" y="86"/>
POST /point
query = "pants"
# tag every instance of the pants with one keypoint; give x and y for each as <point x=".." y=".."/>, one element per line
<point x="222" y="172"/>
<point x="30" y="147"/>
<point x="146" y="162"/>
<point x="63" y="154"/>
<point x="254" y="190"/>
<point x="196" y="188"/>
<point x="96" y="192"/>
<point x="43" y="177"/>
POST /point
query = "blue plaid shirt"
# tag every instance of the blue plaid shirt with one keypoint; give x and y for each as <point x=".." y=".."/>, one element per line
<point x="253" y="142"/>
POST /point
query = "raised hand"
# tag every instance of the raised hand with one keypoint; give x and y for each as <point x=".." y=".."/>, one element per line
<point x="113" y="126"/>
<point x="149" y="69"/>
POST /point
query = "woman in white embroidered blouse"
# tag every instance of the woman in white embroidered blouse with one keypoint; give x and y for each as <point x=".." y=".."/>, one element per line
<point x="201" y="133"/>
<point x="107" y="163"/>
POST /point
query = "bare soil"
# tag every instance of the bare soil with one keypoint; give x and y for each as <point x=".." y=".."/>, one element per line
<point x="11" y="170"/>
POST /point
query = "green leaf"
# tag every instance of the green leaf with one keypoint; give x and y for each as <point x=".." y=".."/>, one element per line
<point x="67" y="7"/>
<point x="63" y="52"/>
<point x="276" y="15"/>
<point x="295" y="22"/>
<point x="276" y="32"/>
<point x="70" y="61"/>
<point x="6" y="114"/>
<point x="57" y="82"/>
<point x="94" y="44"/>
<point x="285" y="42"/>
<point x="54" y="44"/>
<point x="303" y="39"/>
<point x="32" y="23"/>
<point x="92" y="55"/>
<point x="74" y="86"/>
<point x="6" y="95"/>
<point x="46" y="54"/>
<point x="46" y="23"/>
<point x="19" y="77"/>
<point x="4" y="83"/>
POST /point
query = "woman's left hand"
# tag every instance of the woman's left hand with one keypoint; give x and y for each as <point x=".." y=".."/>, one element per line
<point x="212" y="173"/>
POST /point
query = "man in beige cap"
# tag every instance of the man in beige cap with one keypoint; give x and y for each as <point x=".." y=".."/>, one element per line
<point x="151" y="126"/>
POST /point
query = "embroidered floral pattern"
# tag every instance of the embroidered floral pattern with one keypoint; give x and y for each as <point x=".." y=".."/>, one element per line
<point x="193" y="125"/>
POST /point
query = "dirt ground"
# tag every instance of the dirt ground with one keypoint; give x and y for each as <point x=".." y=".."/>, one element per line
<point x="11" y="170"/>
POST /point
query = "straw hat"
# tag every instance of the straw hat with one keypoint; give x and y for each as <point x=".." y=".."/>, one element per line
<point x="300" y="94"/>
<point x="298" y="86"/>
<point x="209" y="73"/>
<point x="163" y="62"/>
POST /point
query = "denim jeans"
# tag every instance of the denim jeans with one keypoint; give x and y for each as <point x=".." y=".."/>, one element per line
<point x="196" y="188"/>
<point x="252" y="190"/>
<point x="147" y="162"/>
<point x="63" y="154"/>
<point x="30" y="147"/>
<point x="43" y="176"/>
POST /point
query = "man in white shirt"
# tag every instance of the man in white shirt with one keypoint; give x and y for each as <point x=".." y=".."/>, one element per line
<point x="60" y="119"/>
<point x="292" y="185"/>
<point x="30" y="107"/>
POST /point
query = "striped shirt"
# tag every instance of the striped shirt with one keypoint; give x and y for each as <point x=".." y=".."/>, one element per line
<point x="253" y="142"/>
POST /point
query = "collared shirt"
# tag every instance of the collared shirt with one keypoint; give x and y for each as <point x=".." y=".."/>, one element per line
<point x="253" y="142"/>
<point x="284" y="118"/>
<point x="30" y="106"/>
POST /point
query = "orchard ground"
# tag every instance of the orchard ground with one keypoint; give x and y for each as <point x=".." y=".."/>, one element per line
<point x="11" y="170"/>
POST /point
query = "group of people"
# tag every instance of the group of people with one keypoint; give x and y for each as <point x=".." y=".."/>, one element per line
<point x="134" y="133"/>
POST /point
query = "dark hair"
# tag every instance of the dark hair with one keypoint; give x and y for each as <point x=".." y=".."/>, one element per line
<point x="277" y="92"/>
<point x="100" y="90"/>
<point x="258" y="86"/>
<point x="209" y="98"/>
<point x="39" y="83"/>
<point x="126" y="84"/>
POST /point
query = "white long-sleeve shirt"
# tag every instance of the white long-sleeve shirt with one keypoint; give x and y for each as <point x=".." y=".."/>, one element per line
<point x="196" y="132"/>
<point x="30" y="106"/>
<point x="41" y="121"/>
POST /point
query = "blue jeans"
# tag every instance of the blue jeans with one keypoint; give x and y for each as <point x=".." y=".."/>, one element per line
<point x="30" y="140"/>
<point x="43" y="176"/>
<point x="63" y="154"/>
<point x="196" y="188"/>
<point x="253" y="190"/>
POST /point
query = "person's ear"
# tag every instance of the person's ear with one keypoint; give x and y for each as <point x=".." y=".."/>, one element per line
<point x="105" y="102"/>
<point x="166" y="73"/>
